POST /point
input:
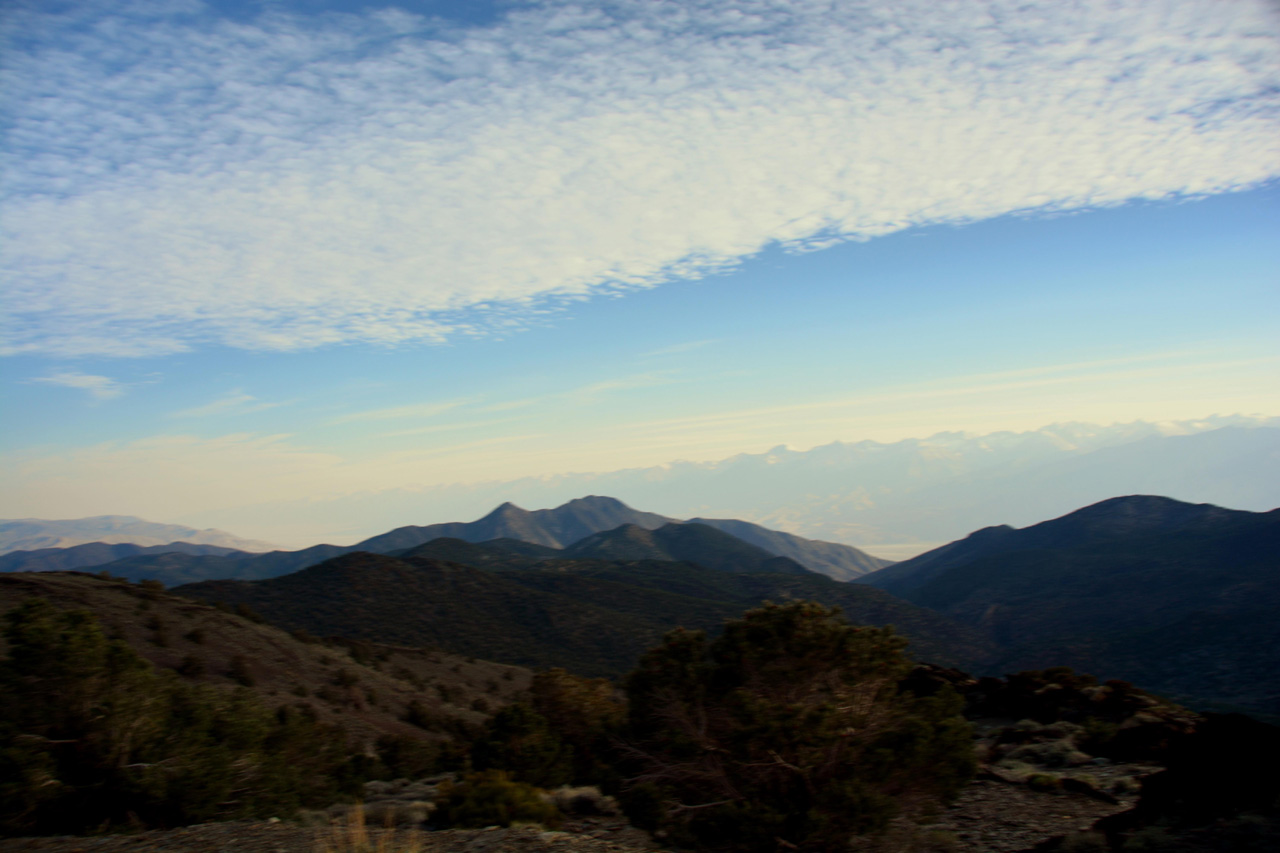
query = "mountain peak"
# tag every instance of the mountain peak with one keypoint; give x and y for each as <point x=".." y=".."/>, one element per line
<point x="595" y="502"/>
<point x="506" y="508"/>
<point x="1132" y="514"/>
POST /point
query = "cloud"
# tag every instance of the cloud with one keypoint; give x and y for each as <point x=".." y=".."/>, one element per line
<point x="622" y="383"/>
<point x="234" y="403"/>
<point x="296" y="181"/>
<point x="417" y="411"/>
<point x="585" y="394"/>
<point x="98" y="387"/>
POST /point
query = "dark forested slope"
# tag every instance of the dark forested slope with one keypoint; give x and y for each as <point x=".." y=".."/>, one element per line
<point x="589" y="616"/>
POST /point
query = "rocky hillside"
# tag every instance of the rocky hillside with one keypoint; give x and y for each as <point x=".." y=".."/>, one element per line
<point x="365" y="687"/>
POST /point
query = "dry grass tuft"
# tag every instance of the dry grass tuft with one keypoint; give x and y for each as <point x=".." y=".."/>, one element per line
<point x="353" y="836"/>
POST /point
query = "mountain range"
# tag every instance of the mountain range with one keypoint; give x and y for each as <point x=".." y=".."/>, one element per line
<point x="554" y="528"/>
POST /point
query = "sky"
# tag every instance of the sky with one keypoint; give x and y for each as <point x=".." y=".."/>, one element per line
<point x="264" y="252"/>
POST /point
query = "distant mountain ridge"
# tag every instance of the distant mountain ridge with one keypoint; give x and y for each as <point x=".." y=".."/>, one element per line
<point x="29" y="534"/>
<point x="99" y="553"/>
<point x="552" y="528"/>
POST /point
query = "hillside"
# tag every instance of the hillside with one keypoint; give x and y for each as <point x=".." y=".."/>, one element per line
<point x="364" y="687"/>
<point x="1179" y="598"/>
<point x="590" y="616"/>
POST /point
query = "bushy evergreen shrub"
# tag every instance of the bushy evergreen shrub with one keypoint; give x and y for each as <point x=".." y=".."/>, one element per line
<point x="789" y="731"/>
<point x="405" y="757"/>
<point x="587" y="715"/>
<point x="491" y="798"/>
<point x="519" y="741"/>
<point x="239" y="672"/>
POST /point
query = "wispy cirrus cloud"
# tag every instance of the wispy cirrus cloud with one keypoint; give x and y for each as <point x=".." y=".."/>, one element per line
<point x="97" y="387"/>
<point x="293" y="181"/>
<point x="236" y="402"/>
<point x="415" y="411"/>
<point x="589" y="393"/>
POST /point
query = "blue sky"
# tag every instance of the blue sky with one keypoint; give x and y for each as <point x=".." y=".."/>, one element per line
<point x="264" y="251"/>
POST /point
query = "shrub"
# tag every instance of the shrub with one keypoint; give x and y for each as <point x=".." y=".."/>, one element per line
<point x="244" y="611"/>
<point x="302" y="635"/>
<point x="1055" y="753"/>
<point x="91" y="737"/>
<point x="151" y="588"/>
<point x="191" y="667"/>
<point x="491" y="798"/>
<point x="790" y="730"/>
<point x="159" y="635"/>
<point x="1084" y="842"/>
<point x="1044" y="782"/>
<point x="586" y="714"/>
<point x="238" y="671"/>
<point x="405" y="757"/>
<point x="518" y="740"/>
<point x="345" y="678"/>
<point x="421" y="716"/>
